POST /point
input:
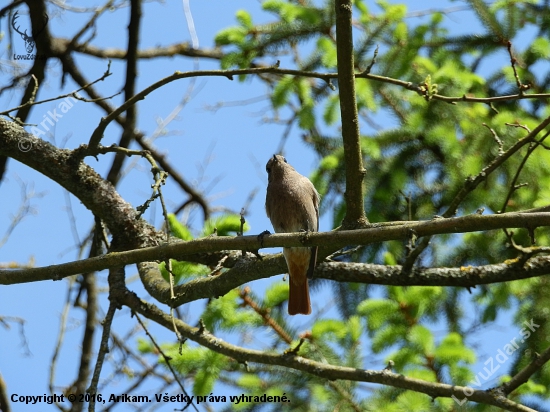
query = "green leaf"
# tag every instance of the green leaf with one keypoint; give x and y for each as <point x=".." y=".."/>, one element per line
<point x="183" y="271"/>
<point x="332" y="110"/>
<point x="306" y="117"/>
<point x="274" y="6"/>
<point x="424" y="374"/>
<point x="330" y="329"/>
<point x="244" y="18"/>
<point x="527" y="388"/>
<point x="327" y="49"/>
<point x="320" y="393"/>
<point x="389" y="259"/>
<point x="224" y="225"/>
<point x="400" y="33"/>
<point x="361" y="6"/>
<point x="422" y="337"/>
<point x="461" y="374"/>
<point x="365" y="98"/>
<point x="414" y="401"/>
<point x="377" y="311"/>
<point x="178" y="230"/>
<point x="329" y="162"/>
<point x="370" y="148"/>
<point x="287" y="11"/>
<point x="355" y="328"/>
<point x="276" y="294"/>
<point x="232" y="59"/>
<point x="249" y="381"/>
<point x="541" y="47"/>
<point x="281" y="91"/>
<point x="387" y="336"/>
<point x="452" y="350"/>
<point x="226" y="313"/>
<point x="231" y="35"/>
<point x="394" y="12"/>
<point x="405" y="357"/>
<point x="206" y="376"/>
<point x="145" y="345"/>
<point x="506" y="4"/>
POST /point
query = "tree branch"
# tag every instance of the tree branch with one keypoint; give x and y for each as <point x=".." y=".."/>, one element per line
<point x="320" y="369"/>
<point x="251" y="269"/>
<point x="523" y="376"/>
<point x="464" y="276"/>
<point x="353" y="160"/>
<point x="129" y="90"/>
<point x="179" y="49"/>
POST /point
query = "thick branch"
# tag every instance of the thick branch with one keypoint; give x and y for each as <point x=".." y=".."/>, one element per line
<point x="464" y="276"/>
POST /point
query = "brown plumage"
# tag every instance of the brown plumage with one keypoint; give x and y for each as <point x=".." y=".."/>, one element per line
<point x="292" y="205"/>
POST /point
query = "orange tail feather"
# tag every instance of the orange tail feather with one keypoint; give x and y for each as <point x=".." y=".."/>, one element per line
<point x="298" y="299"/>
<point x="297" y="260"/>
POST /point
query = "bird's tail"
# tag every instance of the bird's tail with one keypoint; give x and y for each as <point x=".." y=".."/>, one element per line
<point x="298" y="260"/>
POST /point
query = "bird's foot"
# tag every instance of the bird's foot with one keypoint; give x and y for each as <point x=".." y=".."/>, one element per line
<point x="261" y="237"/>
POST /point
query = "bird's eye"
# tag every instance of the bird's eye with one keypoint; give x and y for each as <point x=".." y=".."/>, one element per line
<point x="268" y="169"/>
<point x="284" y="158"/>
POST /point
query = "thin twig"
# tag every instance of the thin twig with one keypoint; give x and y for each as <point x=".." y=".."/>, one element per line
<point x="74" y="94"/>
<point x="103" y="350"/>
<point x="166" y="358"/>
<point x="513" y="62"/>
<point x="513" y="185"/>
<point x="244" y="294"/>
<point x="497" y="139"/>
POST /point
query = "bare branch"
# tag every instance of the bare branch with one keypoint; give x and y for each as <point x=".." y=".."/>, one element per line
<point x="320" y="369"/>
<point x="523" y="376"/>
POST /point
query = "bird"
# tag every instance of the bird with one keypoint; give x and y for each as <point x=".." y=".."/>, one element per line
<point x="292" y="205"/>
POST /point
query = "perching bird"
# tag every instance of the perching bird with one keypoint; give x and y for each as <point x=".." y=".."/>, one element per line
<point x="292" y="205"/>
